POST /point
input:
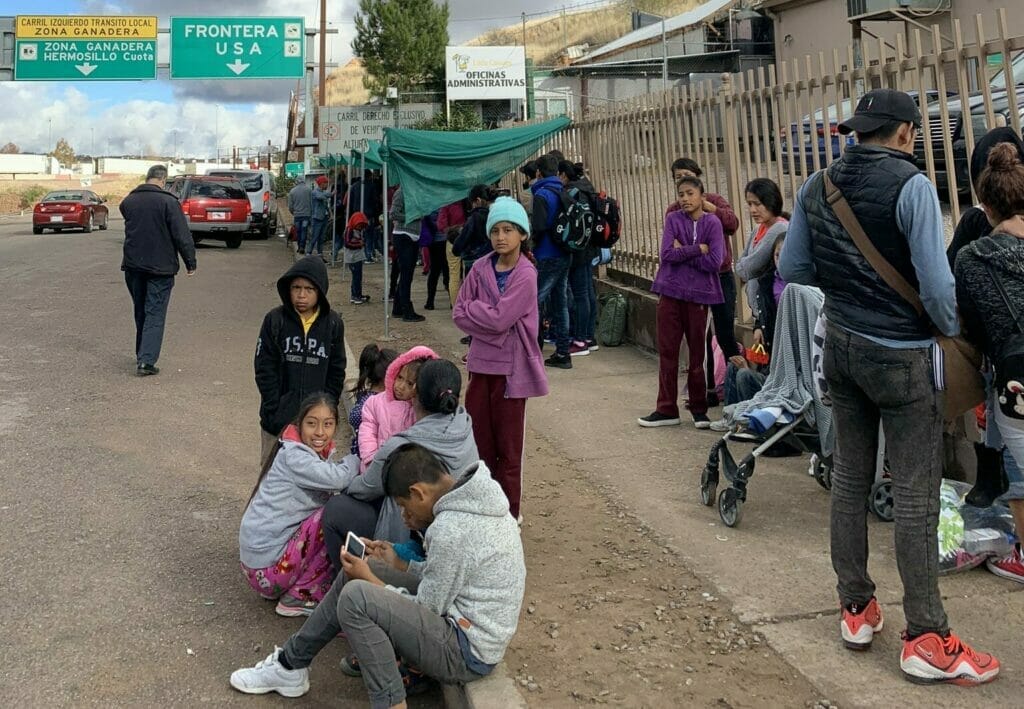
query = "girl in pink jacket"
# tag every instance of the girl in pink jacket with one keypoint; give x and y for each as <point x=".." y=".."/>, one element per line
<point x="390" y="411"/>
<point x="497" y="307"/>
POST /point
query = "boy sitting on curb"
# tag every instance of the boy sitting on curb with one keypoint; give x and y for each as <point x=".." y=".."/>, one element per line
<point x="451" y="617"/>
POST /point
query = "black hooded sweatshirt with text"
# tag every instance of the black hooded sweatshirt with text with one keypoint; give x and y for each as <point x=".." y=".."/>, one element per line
<point x="291" y="364"/>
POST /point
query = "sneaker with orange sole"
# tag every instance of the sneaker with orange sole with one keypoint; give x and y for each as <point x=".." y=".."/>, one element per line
<point x="933" y="659"/>
<point x="859" y="626"/>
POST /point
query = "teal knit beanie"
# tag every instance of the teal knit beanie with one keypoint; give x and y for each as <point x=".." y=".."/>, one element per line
<point x="506" y="209"/>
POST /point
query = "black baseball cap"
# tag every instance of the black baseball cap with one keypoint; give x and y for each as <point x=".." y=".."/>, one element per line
<point x="878" y="107"/>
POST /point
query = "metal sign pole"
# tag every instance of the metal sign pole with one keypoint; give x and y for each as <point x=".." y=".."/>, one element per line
<point x="334" y="220"/>
<point x="387" y="260"/>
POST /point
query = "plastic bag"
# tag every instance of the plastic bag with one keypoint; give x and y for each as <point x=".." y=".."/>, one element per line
<point x="969" y="535"/>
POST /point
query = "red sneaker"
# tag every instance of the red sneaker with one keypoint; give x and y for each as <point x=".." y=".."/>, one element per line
<point x="1009" y="567"/>
<point x="931" y="659"/>
<point x="859" y="627"/>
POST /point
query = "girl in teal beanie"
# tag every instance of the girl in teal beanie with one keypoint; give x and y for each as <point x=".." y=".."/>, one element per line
<point x="497" y="308"/>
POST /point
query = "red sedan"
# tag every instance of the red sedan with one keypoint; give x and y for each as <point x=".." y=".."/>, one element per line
<point x="70" y="209"/>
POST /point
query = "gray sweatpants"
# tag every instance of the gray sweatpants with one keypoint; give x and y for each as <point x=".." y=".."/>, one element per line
<point x="381" y="625"/>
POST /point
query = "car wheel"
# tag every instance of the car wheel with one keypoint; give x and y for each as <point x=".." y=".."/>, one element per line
<point x="265" y="230"/>
<point x="196" y="239"/>
<point x="37" y="230"/>
<point x="89" y="225"/>
<point x="105" y="224"/>
<point x="234" y="242"/>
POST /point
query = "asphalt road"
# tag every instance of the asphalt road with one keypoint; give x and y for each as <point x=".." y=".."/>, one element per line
<point x="120" y="497"/>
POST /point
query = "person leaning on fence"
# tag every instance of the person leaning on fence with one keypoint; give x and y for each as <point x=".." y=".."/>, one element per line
<point x="878" y="365"/>
<point x="723" y="314"/>
<point x="687" y="283"/>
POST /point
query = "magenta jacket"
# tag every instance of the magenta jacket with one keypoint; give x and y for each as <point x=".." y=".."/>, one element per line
<point x="503" y="327"/>
<point x="685" y="273"/>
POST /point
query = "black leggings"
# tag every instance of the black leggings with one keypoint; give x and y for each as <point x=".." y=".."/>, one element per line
<point x="344" y="514"/>
<point x="438" y="269"/>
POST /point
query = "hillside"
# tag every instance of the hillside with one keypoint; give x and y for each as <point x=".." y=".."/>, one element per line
<point x="546" y="39"/>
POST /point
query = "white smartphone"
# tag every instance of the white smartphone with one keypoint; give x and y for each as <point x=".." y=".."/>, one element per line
<point x="354" y="546"/>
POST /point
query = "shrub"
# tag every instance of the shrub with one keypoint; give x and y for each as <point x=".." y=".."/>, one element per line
<point x="30" y="195"/>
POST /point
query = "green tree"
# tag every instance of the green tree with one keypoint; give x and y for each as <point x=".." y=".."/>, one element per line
<point x="463" y="118"/>
<point x="401" y="43"/>
<point x="64" y="153"/>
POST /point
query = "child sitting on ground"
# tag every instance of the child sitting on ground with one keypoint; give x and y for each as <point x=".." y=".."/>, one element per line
<point x="280" y="543"/>
<point x="373" y="367"/>
<point x="391" y="411"/>
<point x="452" y="618"/>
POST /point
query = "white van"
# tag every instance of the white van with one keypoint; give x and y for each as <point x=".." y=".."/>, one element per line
<point x="259" y="186"/>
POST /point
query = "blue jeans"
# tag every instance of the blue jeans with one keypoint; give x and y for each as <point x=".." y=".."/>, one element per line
<point x="741" y="384"/>
<point x="316" y="237"/>
<point x="357" y="279"/>
<point x="584" y="295"/>
<point x="301" y="231"/>
<point x="370" y="236"/>
<point x="552" y="284"/>
<point x="150" y="296"/>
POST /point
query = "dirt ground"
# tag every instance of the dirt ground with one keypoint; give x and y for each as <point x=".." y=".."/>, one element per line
<point x="611" y="616"/>
<point x="113" y="188"/>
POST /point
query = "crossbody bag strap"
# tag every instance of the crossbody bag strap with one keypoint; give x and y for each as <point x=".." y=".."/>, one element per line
<point x="1006" y="298"/>
<point x="892" y="277"/>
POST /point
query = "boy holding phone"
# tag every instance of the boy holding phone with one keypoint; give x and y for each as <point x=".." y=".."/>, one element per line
<point x="451" y="616"/>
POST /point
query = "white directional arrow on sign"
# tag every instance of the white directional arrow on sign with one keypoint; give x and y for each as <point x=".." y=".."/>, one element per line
<point x="86" y="68"/>
<point x="238" y="67"/>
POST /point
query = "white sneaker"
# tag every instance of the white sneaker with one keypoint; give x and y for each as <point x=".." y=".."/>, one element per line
<point x="721" y="426"/>
<point x="269" y="676"/>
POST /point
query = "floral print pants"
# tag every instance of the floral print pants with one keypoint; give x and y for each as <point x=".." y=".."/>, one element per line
<point x="302" y="572"/>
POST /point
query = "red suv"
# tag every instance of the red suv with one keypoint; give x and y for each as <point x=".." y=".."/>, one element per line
<point x="215" y="207"/>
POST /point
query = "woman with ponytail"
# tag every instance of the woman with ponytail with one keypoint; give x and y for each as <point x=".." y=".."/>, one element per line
<point x="990" y="294"/>
<point x="442" y="426"/>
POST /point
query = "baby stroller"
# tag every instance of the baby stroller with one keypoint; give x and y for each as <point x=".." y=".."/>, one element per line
<point x="786" y="410"/>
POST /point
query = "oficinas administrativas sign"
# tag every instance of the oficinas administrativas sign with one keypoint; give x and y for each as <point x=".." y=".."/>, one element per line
<point x="485" y="73"/>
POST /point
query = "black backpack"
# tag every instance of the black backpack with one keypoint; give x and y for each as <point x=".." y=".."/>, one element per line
<point x="1009" y="365"/>
<point x="607" y="221"/>
<point x="574" y="222"/>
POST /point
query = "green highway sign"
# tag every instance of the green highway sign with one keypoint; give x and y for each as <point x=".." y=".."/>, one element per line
<point x="237" y="47"/>
<point x="294" y="169"/>
<point x="97" y="48"/>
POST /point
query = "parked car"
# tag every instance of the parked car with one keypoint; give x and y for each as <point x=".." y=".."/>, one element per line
<point x="215" y="207"/>
<point x="814" y="138"/>
<point x="259" y="185"/>
<point x="979" y="123"/>
<point x="70" y="209"/>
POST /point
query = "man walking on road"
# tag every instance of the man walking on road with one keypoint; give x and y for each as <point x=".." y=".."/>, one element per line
<point x="300" y="204"/>
<point x="155" y="235"/>
<point x="879" y="366"/>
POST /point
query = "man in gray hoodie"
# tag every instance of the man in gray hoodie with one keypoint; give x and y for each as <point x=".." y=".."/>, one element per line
<point x="451" y="617"/>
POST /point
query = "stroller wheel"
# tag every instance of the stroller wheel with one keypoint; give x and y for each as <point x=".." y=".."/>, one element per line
<point x="708" y="487"/>
<point x="881" y="502"/>
<point x="730" y="507"/>
<point x="822" y="471"/>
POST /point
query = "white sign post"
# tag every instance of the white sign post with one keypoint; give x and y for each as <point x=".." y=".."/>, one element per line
<point x="344" y="128"/>
<point x="485" y="73"/>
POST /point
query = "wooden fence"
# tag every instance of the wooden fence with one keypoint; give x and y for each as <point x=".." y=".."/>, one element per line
<point x="780" y="122"/>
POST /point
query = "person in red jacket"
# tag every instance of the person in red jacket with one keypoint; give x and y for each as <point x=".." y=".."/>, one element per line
<point x="724" y="314"/>
<point x="449" y="222"/>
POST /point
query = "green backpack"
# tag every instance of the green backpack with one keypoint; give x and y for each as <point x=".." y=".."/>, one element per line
<point x="611" y="326"/>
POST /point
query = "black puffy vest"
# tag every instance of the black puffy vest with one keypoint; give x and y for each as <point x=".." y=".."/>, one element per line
<point x="856" y="297"/>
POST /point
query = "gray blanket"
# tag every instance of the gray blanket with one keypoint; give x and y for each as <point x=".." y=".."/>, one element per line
<point x="790" y="383"/>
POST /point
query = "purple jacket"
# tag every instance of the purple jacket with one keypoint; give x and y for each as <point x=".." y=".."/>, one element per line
<point x="685" y="273"/>
<point x="503" y="327"/>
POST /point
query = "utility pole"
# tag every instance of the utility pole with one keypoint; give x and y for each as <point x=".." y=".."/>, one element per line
<point x="565" y="32"/>
<point x="323" y="54"/>
<point x="524" y="32"/>
<point x="664" y="57"/>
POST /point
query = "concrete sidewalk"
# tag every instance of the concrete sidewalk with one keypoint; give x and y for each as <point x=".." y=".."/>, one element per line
<point x="775" y="566"/>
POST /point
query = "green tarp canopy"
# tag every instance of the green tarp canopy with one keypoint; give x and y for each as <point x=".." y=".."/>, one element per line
<point x="332" y="161"/>
<point x="436" y="168"/>
<point x="373" y="159"/>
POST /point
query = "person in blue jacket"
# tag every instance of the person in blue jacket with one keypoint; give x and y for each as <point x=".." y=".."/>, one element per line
<point x="552" y="258"/>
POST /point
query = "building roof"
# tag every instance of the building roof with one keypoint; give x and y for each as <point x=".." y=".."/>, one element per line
<point x="644" y="35"/>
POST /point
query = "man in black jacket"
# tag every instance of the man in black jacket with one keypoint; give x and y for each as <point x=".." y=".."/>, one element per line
<point x="155" y="235"/>
<point x="300" y="350"/>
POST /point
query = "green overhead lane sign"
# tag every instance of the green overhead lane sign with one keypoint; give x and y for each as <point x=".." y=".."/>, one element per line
<point x="76" y="47"/>
<point x="237" y="47"/>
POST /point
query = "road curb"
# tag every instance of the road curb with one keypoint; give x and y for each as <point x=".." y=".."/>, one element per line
<point x="496" y="691"/>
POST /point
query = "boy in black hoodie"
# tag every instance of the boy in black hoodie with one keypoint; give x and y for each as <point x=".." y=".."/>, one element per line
<point x="300" y="350"/>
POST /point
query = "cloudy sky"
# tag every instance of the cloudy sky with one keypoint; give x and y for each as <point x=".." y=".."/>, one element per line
<point x="154" y="116"/>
